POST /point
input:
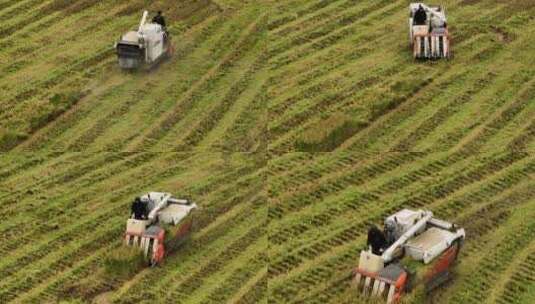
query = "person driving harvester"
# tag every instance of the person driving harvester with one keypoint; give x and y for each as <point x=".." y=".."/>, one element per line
<point x="139" y="209"/>
<point x="159" y="19"/>
<point x="420" y="16"/>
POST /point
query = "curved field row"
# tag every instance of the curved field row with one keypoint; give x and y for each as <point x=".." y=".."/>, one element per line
<point x="356" y="101"/>
<point x="481" y="231"/>
<point x="54" y="133"/>
<point x="514" y="290"/>
<point x="299" y="273"/>
<point x="70" y="204"/>
<point x="87" y="104"/>
<point x="56" y="249"/>
<point x="459" y="114"/>
<point x="332" y="216"/>
<point x="276" y="223"/>
<point x="328" y="81"/>
<point x="370" y="198"/>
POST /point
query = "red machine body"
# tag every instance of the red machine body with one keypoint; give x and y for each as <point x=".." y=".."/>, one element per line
<point x="415" y="249"/>
<point x="166" y="226"/>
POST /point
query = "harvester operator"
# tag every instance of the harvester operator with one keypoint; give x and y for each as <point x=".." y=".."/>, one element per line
<point x="420" y="16"/>
<point x="159" y="19"/>
<point x="376" y="240"/>
<point x="139" y="209"/>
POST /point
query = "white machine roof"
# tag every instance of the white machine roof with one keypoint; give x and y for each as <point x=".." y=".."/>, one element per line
<point x="174" y="213"/>
<point x="430" y="244"/>
<point x="131" y="36"/>
<point x="405" y="217"/>
<point x="168" y="209"/>
<point x="150" y="28"/>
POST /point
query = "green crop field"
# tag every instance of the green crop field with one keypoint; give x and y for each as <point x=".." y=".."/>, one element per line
<point x="62" y="90"/>
<point x="294" y="125"/>
<point x="63" y="213"/>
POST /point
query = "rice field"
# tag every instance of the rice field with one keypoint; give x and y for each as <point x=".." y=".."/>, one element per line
<point x="294" y="125"/>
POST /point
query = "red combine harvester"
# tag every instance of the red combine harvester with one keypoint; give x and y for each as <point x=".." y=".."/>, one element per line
<point x="414" y="249"/>
<point x="158" y="224"/>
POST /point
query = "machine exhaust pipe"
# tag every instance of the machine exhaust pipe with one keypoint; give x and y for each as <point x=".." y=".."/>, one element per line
<point x="143" y="20"/>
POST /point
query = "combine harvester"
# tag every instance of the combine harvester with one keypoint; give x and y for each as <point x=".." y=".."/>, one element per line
<point x="415" y="249"/>
<point x="429" y="37"/>
<point x="159" y="223"/>
<point x="145" y="47"/>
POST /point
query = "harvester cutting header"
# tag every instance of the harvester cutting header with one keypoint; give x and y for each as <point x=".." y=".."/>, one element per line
<point x="414" y="249"/>
<point x="159" y="223"/>
<point x="146" y="46"/>
<point x="428" y="28"/>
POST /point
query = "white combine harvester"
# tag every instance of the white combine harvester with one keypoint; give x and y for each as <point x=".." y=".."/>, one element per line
<point x="429" y="37"/>
<point x="159" y="223"/>
<point x="146" y="46"/>
<point x="414" y="249"/>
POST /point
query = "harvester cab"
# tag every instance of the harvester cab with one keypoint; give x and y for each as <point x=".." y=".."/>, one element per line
<point x="428" y="31"/>
<point x="144" y="47"/>
<point x="163" y="224"/>
<point x="415" y="248"/>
